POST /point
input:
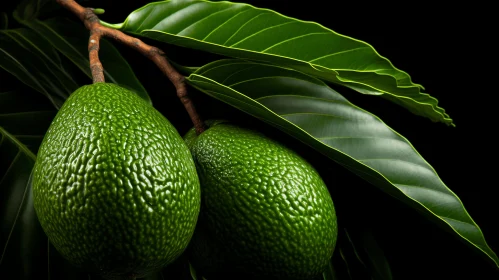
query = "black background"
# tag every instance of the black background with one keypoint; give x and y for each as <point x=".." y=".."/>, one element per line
<point x="448" y="51"/>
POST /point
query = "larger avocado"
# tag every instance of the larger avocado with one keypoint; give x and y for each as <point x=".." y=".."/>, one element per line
<point x="115" y="187"/>
<point x="265" y="211"/>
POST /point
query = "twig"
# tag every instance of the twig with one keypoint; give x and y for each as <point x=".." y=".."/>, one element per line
<point x="97" y="30"/>
<point x="93" y="54"/>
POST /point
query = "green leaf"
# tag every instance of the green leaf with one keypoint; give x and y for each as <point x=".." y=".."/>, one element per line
<point x="26" y="116"/>
<point x="30" y="58"/>
<point x="243" y="31"/>
<point x="71" y="39"/>
<point x="34" y="43"/>
<point x="22" y="241"/>
<point x="312" y="112"/>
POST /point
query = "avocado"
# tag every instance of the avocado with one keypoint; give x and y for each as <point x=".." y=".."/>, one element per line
<point x="265" y="211"/>
<point x="115" y="187"/>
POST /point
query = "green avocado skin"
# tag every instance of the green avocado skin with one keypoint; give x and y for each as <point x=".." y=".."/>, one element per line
<point x="265" y="213"/>
<point x="115" y="187"/>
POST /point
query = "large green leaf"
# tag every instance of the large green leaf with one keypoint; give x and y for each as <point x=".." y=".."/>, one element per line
<point x="71" y="39"/>
<point x="243" y="31"/>
<point x="312" y="112"/>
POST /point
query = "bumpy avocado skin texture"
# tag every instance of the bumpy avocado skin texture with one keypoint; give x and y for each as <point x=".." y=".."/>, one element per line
<point x="115" y="187"/>
<point x="265" y="214"/>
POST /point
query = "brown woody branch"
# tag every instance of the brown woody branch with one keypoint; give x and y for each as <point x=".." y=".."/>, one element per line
<point x="97" y="31"/>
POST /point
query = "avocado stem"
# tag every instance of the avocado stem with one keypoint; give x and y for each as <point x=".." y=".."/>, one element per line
<point x="93" y="54"/>
<point x="97" y="30"/>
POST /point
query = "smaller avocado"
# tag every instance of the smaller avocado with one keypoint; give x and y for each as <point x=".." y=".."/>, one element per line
<point x="265" y="211"/>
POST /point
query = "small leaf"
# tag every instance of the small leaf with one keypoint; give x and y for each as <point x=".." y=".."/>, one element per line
<point x="243" y="31"/>
<point x="71" y="39"/>
<point x="309" y="110"/>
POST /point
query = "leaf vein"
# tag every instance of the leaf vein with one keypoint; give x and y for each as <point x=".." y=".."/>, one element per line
<point x="337" y="53"/>
<point x="293" y="38"/>
<point x="239" y="29"/>
<point x="259" y="32"/>
<point x="203" y="18"/>
<point x="225" y="22"/>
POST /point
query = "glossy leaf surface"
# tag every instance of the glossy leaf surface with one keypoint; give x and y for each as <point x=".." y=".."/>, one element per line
<point x="243" y="31"/>
<point x="312" y="112"/>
